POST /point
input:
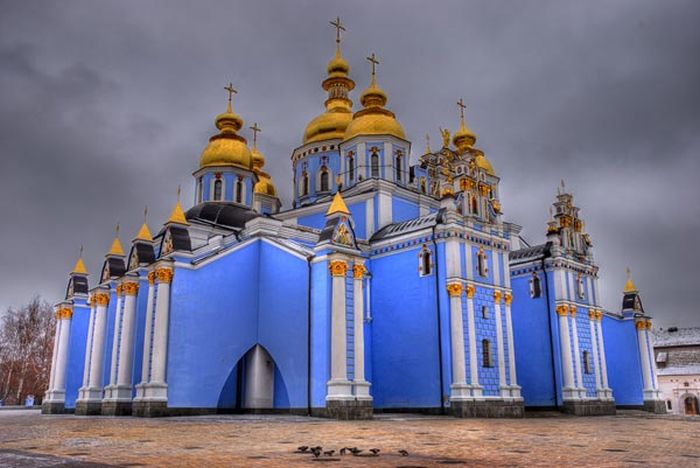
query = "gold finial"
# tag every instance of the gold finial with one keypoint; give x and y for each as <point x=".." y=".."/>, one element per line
<point x="374" y="61"/>
<point x="629" y="285"/>
<point x="338" y="206"/>
<point x="177" y="216"/>
<point x="79" y="267"/>
<point x="461" y="106"/>
<point x="116" y="248"/>
<point x="338" y="27"/>
<point x="231" y="91"/>
<point x="255" y="130"/>
<point x="427" y="143"/>
<point x="144" y="233"/>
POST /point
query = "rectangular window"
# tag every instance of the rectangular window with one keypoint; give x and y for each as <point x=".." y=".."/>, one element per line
<point x="486" y="353"/>
<point x="484" y="312"/>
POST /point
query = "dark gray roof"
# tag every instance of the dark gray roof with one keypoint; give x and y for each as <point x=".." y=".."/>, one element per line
<point x="677" y="337"/>
<point x="536" y="251"/>
<point x="221" y="214"/>
<point x="416" y="224"/>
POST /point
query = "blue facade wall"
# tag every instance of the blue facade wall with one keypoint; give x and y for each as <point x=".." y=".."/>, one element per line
<point x="624" y="366"/>
<point x="403" y="210"/>
<point x="320" y="332"/>
<point x="404" y="349"/>
<point x="139" y="330"/>
<point x="76" y="351"/>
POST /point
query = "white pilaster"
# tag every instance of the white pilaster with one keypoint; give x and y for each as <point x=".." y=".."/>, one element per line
<point x="369" y="217"/>
<point x="569" y="392"/>
<point x="126" y="346"/>
<point x="603" y="360"/>
<point x="577" y="353"/>
<point x="360" y="385"/>
<point x="158" y="388"/>
<point x="594" y="345"/>
<point x="93" y="391"/>
<point x="514" y="387"/>
<point x="115" y="342"/>
<point x="502" y="384"/>
<point x="88" y="343"/>
<point x="57" y="390"/>
<point x="339" y="387"/>
<point x="385" y="208"/>
<point x="650" y="393"/>
<point x="459" y="388"/>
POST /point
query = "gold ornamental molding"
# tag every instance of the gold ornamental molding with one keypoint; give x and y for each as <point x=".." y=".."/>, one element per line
<point x="130" y="288"/>
<point x="508" y="298"/>
<point x="643" y="325"/>
<point x="562" y="310"/>
<point x="101" y="299"/>
<point x="573" y="310"/>
<point x="164" y="275"/>
<point x="497" y="296"/>
<point x="454" y="289"/>
<point x="358" y="271"/>
<point x="338" y="268"/>
<point x="151" y="277"/>
<point x="120" y="289"/>
<point x="64" y="313"/>
<point x="470" y="291"/>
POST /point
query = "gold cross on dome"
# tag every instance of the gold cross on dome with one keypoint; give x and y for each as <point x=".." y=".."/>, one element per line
<point x="255" y="130"/>
<point x="461" y="106"/>
<point x="231" y="92"/>
<point x="373" y="60"/>
<point x="338" y="27"/>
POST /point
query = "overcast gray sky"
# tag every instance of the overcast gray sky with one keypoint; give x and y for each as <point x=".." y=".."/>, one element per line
<point x="106" y="106"/>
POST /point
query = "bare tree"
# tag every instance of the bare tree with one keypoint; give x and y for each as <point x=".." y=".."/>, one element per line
<point x="26" y="347"/>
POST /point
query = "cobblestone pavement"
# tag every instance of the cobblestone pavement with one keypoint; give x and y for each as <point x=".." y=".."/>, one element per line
<point x="29" y="439"/>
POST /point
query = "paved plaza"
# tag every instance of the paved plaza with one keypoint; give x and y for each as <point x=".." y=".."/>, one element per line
<point x="630" y="438"/>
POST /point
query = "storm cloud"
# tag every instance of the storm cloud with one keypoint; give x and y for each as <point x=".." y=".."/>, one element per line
<point x="106" y="106"/>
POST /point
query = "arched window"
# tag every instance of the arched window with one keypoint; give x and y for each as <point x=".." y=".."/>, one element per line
<point x="586" y="363"/>
<point x="397" y="166"/>
<point x="200" y="189"/>
<point x="481" y="262"/>
<point x="580" y="289"/>
<point x="324" y="180"/>
<point x="425" y="261"/>
<point x="218" y="189"/>
<point x="239" y="191"/>
<point x="535" y="287"/>
<point x="473" y="204"/>
<point x="351" y="167"/>
<point x="374" y="164"/>
<point x="486" y="353"/>
<point x="304" y="184"/>
<point x="484" y="312"/>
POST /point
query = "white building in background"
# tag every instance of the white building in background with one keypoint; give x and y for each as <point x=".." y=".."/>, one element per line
<point x="677" y="353"/>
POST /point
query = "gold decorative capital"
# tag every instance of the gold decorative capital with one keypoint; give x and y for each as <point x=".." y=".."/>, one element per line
<point x="338" y="268"/>
<point x="599" y="315"/>
<point x="573" y="310"/>
<point x="640" y="325"/>
<point x="508" y="297"/>
<point x="470" y="291"/>
<point x="151" y="277"/>
<point x="562" y="310"/>
<point x="497" y="296"/>
<point x="164" y="275"/>
<point x="454" y="289"/>
<point x="592" y="315"/>
<point x="358" y="271"/>
<point x="64" y="313"/>
<point x="101" y="299"/>
<point x="120" y="289"/>
<point x="130" y="288"/>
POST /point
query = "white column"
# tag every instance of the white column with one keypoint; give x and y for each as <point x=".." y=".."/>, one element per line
<point x="360" y="384"/>
<point x="649" y="392"/>
<point x="164" y="276"/>
<point x="62" y="355"/>
<point x="569" y="392"/>
<point x="603" y="359"/>
<point x="594" y="344"/>
<point x="369" y="217"/>
<point x="56" y="335"/>
<point x="577" y="353"/>
<point x="502" y="385"/>
<point x="339" y="386"/>
<point x="147" y="344"/>
<point x="514" y="387"/>
<point x="473" y="360"/>
<point x="459" y="388"/>
<point x="115" y="342"/>
<point x="126" y="346"/>
<point x="385" y="208"/>
<point x="94" y="390"/>
<point x="88" y="343"/>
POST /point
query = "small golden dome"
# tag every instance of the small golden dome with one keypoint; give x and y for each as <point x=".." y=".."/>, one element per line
<point x="327" y="126"/>
<point x="338" y="64"/>
<point x="483" y="163"/>
<point x="464" y="138"/>
<point x="227" y="148"/>
<point x="257" y="157"/>
<point x="264" y="185"/>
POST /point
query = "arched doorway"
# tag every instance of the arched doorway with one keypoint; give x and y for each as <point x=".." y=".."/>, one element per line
<point x="691" y="405"/>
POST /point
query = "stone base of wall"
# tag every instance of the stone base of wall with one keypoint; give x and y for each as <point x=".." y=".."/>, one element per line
<point x="589" y="407"/>
<point x="149" y="409"/>
<point x="655" y="406"/>
<point x="116" y="408"/>
<point x="88" y="408"/>
<point x="487" y="409"/>
<point x="349" y="409"/>
<point x="53" y="407"/>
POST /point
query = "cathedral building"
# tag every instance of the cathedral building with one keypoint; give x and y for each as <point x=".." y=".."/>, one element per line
<point x="389" y="285"/>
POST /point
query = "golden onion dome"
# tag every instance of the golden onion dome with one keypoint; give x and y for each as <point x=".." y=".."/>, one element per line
<point x="374" y="119"/>
<point x="483" y="163"/>
<point x="257" y="157"/>
<point x="338" y="65"/>
<point x="227" y="148"/>
<point x="464" y="138"/>
<point x="264" y="185"/>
